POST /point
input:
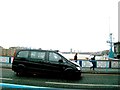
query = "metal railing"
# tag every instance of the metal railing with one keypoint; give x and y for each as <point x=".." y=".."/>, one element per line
<point x="82" y="63"/>
<point x="100" y="63"/>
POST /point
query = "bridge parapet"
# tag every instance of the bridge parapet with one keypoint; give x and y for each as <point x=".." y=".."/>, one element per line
<point x="83" y="63"/>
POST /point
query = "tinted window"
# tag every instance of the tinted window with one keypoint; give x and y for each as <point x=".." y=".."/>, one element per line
<point x="37" y="55"/>
<point x="23" y="54"/>
<point x="54" y="57"/>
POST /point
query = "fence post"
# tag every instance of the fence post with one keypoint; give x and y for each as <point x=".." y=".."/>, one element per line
<point x="109" y="63"/>
<point x="9" y="59"/>
<point x="80" y="62"/>
<point x="95" y="64"/>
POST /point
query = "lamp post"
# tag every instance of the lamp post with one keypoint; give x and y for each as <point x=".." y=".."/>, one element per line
<point x="111" y="53"/>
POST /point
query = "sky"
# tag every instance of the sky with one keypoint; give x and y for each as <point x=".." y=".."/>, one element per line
<point x="80" y="25"/>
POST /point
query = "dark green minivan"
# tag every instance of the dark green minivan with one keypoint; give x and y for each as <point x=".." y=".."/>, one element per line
<point x="44" y="61"/>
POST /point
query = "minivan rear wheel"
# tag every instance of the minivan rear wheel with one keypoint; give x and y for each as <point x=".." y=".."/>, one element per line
<point x="20" y="70"/>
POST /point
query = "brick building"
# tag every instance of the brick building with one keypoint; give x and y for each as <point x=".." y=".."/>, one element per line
<point x="10" y="51"/>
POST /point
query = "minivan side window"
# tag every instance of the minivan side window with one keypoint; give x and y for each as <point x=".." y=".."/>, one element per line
<point x="37" y="55"/>
<point x="23" y="54"/>
<point x="54" y="57"/>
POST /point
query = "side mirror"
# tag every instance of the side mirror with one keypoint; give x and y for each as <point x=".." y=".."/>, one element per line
<point x="60" y="61"/>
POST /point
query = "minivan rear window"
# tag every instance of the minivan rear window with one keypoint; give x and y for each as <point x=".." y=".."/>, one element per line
<point x="23" y="54"/>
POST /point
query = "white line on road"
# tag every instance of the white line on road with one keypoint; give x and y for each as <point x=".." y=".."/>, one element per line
<point x="104" y="74"/>
<point x="77" y="84"/>
<point x="6" y="78"/>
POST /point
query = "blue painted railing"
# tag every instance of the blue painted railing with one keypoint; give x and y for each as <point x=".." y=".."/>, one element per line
<point x="83" y="63"/>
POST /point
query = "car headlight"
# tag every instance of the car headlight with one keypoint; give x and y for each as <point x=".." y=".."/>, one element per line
<point x="78" y="68"/>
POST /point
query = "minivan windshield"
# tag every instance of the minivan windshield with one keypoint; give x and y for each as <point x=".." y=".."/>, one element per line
<point x="68" y="59"/>
<point x="64" y="55"/>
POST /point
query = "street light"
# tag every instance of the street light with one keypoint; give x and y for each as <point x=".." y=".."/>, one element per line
<point x="111" y="53"/>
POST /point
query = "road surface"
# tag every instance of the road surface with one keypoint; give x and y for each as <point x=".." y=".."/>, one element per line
<point x="87" y="80"/>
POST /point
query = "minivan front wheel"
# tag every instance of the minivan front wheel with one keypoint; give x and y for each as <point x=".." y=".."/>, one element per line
<point x="70" y="74"/>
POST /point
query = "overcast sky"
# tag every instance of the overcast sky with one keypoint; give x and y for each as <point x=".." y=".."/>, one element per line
<point x="83" y="25"/>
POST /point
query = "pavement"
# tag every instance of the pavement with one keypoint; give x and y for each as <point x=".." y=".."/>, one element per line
<point x="84" y="69"/>
<point x="102" y="70"/>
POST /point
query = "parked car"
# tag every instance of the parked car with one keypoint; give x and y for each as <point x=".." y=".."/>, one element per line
<point x="44" y="61"/>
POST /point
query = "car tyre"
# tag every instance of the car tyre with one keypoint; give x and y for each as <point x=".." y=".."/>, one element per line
<point x="20" y="72"/>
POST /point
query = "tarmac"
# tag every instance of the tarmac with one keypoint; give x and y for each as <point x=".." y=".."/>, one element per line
<point x="84" y="69"/>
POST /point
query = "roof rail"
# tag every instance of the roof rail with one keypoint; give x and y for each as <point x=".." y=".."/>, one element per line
<point x="56" y="50"/>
